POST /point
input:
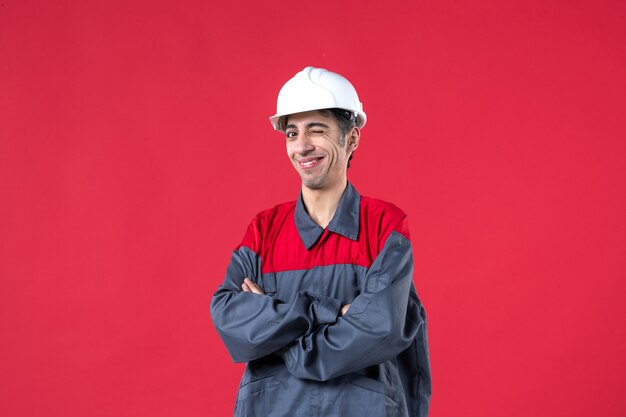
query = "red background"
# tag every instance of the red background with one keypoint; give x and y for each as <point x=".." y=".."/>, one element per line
<point x="135" y="147"/>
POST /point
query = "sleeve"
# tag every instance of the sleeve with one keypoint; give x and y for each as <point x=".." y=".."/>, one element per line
<point x="253" y="325"/>
<point x="381" y="322"/>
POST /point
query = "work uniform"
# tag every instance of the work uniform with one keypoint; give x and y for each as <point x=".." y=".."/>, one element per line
<point x="303" y="359"/>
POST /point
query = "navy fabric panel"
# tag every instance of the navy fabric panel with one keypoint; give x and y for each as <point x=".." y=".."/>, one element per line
<point x="253" y="325"/>
<point x="342" y="282"/>
<point x="379" y="325"/>
<point x="367" y="371"/>
<point x="267" y="389"/>
<point x="269" y="283"/>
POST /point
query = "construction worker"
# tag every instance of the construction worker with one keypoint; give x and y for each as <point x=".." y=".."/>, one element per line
<point x="318" y="298"/>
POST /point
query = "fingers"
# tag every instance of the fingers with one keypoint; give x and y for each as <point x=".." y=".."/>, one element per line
<point x="249" y="286"/>
<point x="344" y="309"/>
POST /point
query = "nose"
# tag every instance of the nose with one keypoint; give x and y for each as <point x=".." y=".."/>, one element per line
<point x="303" y="143"/>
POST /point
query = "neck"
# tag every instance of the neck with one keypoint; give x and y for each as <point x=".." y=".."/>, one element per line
<point x="322" y="204"/>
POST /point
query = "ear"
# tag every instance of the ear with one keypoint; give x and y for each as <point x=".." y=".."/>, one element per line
<point x="353" y="139"/>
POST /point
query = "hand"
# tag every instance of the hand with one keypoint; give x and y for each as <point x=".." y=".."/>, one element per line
<point x="344" y="309"/>
<point x="249" y="286"/>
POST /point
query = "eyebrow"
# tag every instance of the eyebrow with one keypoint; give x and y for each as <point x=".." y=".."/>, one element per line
<point x="309" y="125"/>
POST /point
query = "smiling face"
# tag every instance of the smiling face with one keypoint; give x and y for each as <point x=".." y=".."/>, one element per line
<point x="317" y="149"/>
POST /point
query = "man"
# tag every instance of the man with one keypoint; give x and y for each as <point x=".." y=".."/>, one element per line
<point x="318" y="298"/>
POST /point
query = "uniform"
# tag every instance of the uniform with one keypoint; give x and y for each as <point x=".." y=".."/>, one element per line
<point x="303" y="358"/>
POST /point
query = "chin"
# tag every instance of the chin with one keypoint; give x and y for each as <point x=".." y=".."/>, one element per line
<point x="313" y="183"/>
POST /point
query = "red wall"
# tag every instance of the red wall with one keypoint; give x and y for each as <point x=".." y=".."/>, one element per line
<point x="135" y="147"/>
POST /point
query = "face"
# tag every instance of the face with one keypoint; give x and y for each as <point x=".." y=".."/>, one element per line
<point x="317" y="151"/>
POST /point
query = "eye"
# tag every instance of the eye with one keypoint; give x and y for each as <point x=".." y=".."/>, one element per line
<point x="291" y="135"/>
<point x="317" y="132"/>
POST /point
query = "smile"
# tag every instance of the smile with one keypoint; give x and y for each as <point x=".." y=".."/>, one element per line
<point x="309" y="162"/>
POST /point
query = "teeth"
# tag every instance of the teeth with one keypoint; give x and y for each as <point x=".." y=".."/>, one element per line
<point x="307" y="163"/>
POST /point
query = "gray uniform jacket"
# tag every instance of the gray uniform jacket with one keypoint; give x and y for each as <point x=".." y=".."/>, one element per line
<point x="303" y="359"/>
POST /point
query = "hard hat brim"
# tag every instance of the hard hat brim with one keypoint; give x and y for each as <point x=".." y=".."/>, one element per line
<point x="361" y="118"/>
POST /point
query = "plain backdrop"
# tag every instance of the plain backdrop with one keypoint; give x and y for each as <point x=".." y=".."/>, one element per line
<point x="135" y="147"/>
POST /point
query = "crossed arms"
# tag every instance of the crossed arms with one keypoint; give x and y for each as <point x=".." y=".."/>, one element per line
<point x="320" y="337"/>
<point x="249" y="286"/>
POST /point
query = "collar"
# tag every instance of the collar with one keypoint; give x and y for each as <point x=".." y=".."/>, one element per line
<point x="345" y="220"/>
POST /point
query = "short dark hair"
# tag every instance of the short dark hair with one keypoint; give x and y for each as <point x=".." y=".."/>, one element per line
<point x="345" y="119"/>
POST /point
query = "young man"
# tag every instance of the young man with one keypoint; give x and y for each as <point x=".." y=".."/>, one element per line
<point x="318" y="298"/>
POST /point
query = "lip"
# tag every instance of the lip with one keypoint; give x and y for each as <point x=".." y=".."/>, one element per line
<point x="309" y="163"/>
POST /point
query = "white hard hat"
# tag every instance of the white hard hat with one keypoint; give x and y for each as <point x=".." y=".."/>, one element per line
<point x="317" y="89"/>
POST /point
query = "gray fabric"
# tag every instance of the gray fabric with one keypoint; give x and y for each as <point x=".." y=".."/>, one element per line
<point x="252" y="325"/>
<point x="305" y="360"/>
<point x="371" y="362"/>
